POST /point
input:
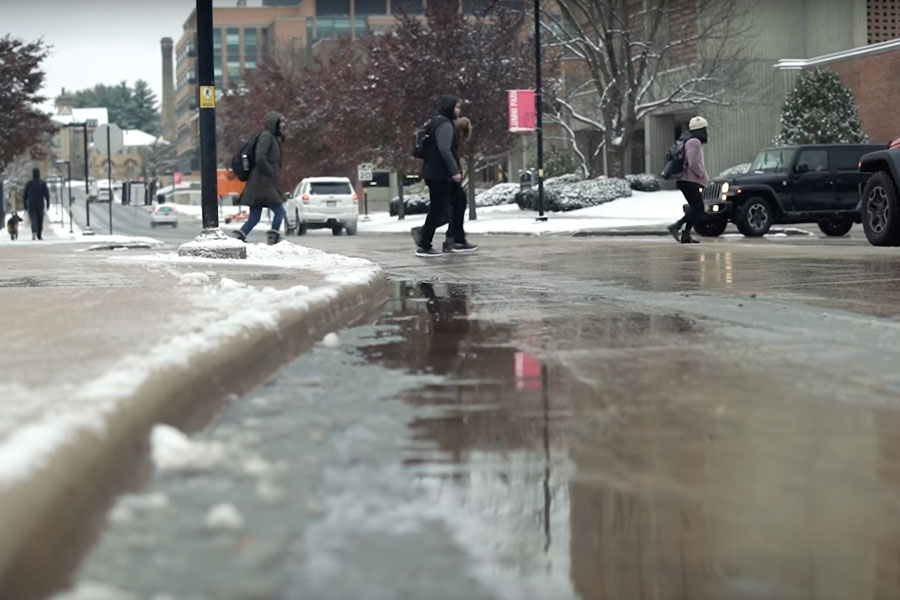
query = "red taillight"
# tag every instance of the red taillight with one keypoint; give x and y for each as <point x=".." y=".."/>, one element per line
<point x="355" y="198"/>
<point x="305" y="198"/>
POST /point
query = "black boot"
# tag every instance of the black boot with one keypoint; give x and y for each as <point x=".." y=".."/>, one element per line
<point x="272" y="237"/>
<point x="686" y="237"/>
<point x="239" y="235"/>
<point x="674" y="230"/>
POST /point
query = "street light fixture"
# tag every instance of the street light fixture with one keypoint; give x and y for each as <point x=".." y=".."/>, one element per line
<point x="87" y="192"/>
<point x="68" y="164"/>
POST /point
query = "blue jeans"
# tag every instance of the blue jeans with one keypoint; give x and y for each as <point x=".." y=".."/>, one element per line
<point x="256" y="213"/>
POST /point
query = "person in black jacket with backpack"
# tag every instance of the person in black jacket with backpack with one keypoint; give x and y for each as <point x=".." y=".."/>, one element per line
<point x="263" y="189"/>
<point x="37" y="197"/>
<point x="442" y="173"/>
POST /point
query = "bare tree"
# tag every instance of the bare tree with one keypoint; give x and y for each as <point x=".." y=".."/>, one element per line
<point x="622" y="60"/>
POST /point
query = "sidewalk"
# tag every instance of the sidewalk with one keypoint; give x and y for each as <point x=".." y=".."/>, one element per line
<point x="98" y="346"/>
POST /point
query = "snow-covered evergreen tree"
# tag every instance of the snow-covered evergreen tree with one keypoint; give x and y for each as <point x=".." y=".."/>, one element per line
<point x="820" y="110"/>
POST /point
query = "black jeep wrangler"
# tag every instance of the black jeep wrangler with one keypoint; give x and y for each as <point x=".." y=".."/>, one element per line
<point x="878" y="203"/>
<point x="818" y="183"/>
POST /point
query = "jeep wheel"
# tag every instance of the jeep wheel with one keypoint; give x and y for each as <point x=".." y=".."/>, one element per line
<point x="835" y="228"/>
<point x="336" y="230"/>
<point x="709" y="226"/>
<point x="880" y="216"/>
<point x="754" y="218"/>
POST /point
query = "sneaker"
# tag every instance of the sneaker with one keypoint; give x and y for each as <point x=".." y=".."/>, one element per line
<point x="463" y="248"/>
<point x="416" y="233"/>
<point x="447" y="246"/>
<point x="239" y="235"/>
<point x="687" y="238"/>
<point x="272" y="237"/>
<point x="428" y="252"/>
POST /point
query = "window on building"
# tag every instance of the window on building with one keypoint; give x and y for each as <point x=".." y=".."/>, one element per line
<point x="332" y="7"/>
<point x="233" y="41"/>
<point x="413" y="7"/>
<point x="234" y="69"/>
<point x="217" y="66"/>
<point x="333" y="27"/>
<point x="883" y="20"/>
<point x="251" y="48"/>
<point x="217" y="41"/>
<point x="371" y="7"/>
<point x="309" y="31"/>
<point x="360" y="25"/>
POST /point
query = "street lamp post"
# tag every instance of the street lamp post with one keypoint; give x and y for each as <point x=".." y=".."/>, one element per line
<point x="87" y="191"/>
<point x="68" y="164"/>
<point x="538" y="105"/>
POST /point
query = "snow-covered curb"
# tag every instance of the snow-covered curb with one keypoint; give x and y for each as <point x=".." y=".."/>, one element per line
<point x="641" y="209"/>
<point x="59" y="440"/>
<point x="225" y="310"/>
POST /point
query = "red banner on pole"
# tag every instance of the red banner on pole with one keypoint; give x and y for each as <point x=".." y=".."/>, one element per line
<point x="522" y="113"/>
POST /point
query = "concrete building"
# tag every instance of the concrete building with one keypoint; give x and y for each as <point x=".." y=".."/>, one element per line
<point x="782" y="29"/>
<point x="243" y="36"/>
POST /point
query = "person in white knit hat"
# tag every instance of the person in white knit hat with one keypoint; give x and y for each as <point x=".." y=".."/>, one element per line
<point x="693" y="180"/>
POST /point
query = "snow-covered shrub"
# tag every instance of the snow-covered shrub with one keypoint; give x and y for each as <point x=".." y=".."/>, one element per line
<point x="415" y="200"/>
<point x="820" y="110"/>
<point x="735" y="170"/>
<point x="563" y="179"/>
<point x="502" y="193"/>
<point x="644" y="182"/>
<point x="414" y="204"/>
<point x="572" y="195"/>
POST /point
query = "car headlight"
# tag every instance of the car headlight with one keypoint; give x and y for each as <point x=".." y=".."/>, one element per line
<point x="725" y="187"/>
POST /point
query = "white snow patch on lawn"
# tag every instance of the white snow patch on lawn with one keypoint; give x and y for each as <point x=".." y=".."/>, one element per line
<point x="224" y="517"/>
<point x="641" y="209"/>
<point x="174" y="451"/>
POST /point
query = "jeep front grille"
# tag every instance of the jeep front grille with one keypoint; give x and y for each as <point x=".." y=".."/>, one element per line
<point x="712" y="191"/>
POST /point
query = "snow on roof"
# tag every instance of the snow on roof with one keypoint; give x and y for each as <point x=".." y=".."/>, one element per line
<point x="136" y="137"/>
<point x="80" y="115"/>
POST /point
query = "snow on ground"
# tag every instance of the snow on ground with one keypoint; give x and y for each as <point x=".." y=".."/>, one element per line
<point x="641" y="209"/>
<point x="216" y="311"/>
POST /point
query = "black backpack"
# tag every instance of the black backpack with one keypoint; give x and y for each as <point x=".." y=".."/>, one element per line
<point x="244" y="160"/>
<point x="423" y="139"/>
<point x="675" y="163"/>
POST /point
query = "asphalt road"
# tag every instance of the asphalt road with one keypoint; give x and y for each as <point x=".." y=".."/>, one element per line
<point x="560" y="418"/>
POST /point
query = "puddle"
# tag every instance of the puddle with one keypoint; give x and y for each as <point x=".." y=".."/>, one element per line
<point x="473" y="444"/>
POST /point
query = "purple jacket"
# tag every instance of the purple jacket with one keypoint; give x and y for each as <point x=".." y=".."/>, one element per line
<point x="694" y="169"/>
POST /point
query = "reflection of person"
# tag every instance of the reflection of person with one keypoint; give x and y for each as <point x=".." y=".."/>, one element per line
<point x="37" y="199"/>
<point x="262" y="190"/>
<point x="692" y="180"/>
<point x="449" y="328"/>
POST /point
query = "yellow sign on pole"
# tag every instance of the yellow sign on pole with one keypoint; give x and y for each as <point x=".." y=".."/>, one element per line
<point x="207" y="96"/>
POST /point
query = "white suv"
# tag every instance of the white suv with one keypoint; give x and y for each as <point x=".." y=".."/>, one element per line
<point x="322" y="202"/>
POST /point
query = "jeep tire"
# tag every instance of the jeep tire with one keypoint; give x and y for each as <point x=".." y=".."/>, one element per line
<point x="880" y="214"/>
<point x="836" y="228"/>
<point x="709" y="226"/>
<point x="755" y="217"/>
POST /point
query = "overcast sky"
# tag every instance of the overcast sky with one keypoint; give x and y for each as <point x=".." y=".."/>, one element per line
<point x="99" y="41"/>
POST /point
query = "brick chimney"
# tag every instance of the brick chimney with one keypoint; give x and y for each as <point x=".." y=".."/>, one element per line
<point x="168" y="91"/>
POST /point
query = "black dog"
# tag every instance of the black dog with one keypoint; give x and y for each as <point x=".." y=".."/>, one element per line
<point x="12" y="226"/>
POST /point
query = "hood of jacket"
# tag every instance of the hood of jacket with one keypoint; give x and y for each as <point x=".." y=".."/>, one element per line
<point x="446" y="106"/>
<point x="270" y="122"/>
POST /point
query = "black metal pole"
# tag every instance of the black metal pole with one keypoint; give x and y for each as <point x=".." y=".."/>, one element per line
<point x="538" y="104"/>
<point x="69" y="171"/>
<point x="109" y="176"/>
<point x="87" y="176"/>
<point x="208" y="195"/>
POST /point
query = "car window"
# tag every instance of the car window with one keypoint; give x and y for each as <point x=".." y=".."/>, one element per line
<point x="774" y="160"/>
<point x="164" y="209"/>
<point x="319" y="188"/>
<point x="847" y="159"/>
<point x="812" y="161"/>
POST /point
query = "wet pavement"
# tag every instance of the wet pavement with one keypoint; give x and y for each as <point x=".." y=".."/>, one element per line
<point x="555" y="418"/>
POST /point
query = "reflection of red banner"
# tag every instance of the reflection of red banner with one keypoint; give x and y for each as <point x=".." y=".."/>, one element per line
<point x="522" y="114"/>
<point x="528" y="371"/>
<point x="177" y="177"/>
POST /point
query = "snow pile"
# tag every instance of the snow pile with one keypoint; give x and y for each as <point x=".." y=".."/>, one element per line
<point x="194" y="279"/>
<point x="173" y="451"/>
<point x="644" y="182"/>
<point x="224" y="517"/>
<point x="331" y="340"/>
<point x="502" y="193"/>
<point x="735" y="170"/>
<point x="567" y="193"/>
